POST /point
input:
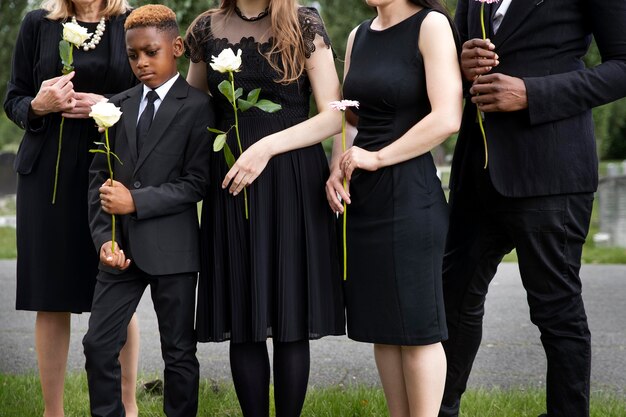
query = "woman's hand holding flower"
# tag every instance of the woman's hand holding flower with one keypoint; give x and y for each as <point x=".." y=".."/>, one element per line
<point x="334" y="189"/>
<point x="247" y="168"/>
<point x="55" y="95"/>
<point x="83" y="104"/>
<point x="356" y="157"/>
<point x="478" y="58"/>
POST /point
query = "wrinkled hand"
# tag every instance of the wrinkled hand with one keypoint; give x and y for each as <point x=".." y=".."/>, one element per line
<point x="335" y="190"/>
<point x="112" y="259"/>
<point x="116" y="198"/>
<point x="478" y="58"/>
<point x="82" y="106"/>
<point x="246" y="169"/>
<point x="55" y="95"/>
<point x="499" y="93"/>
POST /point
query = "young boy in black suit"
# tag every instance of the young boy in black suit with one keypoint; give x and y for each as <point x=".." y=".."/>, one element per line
<point x="164" y="146"/>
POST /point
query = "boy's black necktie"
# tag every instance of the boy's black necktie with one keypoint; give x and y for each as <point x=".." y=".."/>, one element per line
<point x="145" y="120"/>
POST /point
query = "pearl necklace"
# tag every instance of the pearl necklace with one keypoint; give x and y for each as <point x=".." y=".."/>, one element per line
<point x="96" y="37"/>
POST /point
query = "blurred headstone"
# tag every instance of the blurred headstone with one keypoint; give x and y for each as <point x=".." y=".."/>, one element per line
<point x="612" y="203"/>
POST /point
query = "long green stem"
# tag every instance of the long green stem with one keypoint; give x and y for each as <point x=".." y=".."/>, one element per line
<point x="234" y="103"/>
<point x="478" y="112"/>
<point x="482" y="20"/>
<point x="345" y="206"/>
<point x="56" y="169"/>
<point x="106" y="136"/>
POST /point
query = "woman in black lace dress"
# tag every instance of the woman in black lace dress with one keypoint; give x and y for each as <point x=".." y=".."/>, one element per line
<point x="275" y="274"/>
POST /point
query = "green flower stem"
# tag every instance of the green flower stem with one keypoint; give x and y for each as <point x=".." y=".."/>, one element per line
<point x="234" y="103"/>
<point x="482" y="20"/>
<point x="56" y="169"/>
<point x="345" y="206"/>
<point x="479" y="113"/>
<point x="108" y="149"/>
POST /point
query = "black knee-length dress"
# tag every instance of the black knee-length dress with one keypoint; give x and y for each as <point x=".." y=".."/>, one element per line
<point x="57" y="262"/>
<point x="397" y="221"/>
<point x="276" y="274"/>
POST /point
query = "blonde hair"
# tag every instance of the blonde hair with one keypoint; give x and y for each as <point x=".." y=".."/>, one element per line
<point x="62" y="9"/>
<point x="287" y="55"/>
<point x="152" y="15"/>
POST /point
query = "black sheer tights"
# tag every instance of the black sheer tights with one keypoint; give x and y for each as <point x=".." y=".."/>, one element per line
<point x="250" y="366"/>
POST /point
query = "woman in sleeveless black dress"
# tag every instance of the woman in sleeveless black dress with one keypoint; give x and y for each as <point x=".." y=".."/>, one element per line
<point x="57" y="262"/>
<point x="275" y="274"/>
<point x="402" y="67"/>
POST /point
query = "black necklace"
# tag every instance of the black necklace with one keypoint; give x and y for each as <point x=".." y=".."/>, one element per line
<point x="252" y="19"/>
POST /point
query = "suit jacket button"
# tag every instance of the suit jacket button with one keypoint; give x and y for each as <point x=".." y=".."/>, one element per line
<point x="137" y="184"/>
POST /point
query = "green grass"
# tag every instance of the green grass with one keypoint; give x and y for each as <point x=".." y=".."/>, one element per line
<point x="21" y="396"/>
<point x="7" y="245"/>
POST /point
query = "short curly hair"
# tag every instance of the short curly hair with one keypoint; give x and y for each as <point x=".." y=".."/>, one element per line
<point x="153" y="15"/>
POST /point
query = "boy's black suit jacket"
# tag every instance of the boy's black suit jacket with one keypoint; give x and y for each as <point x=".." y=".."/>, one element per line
<point x="166" y="180"/>
<point x="548" y="148"/>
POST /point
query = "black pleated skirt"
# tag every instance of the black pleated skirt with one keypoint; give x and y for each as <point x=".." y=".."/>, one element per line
<point x="276" y="274"/>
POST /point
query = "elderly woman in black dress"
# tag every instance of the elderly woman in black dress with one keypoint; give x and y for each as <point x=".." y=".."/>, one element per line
<point x="57" y="262"/>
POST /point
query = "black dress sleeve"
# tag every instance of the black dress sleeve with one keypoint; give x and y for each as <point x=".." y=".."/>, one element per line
<point x="21" y="89"/>
<point x="197" y="38"/>
<point x="311" y="24"/>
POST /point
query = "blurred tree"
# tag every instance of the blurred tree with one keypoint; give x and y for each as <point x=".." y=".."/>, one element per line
<point x="11" y="12"/>
<point x="610" y="119"/>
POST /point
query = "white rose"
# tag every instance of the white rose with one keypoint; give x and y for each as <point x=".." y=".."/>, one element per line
<point x="226" y="61"/>
<point x="105" y="114"/>
<point x="75" y="34"/>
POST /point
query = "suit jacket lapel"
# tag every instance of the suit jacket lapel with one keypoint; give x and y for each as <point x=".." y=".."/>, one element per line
<point x="516" y="14"/>
<point x="163" y="118"/>
<point x="131" y="109"/>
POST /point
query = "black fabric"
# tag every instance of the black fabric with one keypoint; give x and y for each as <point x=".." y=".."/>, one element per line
<point x="250" y="368"/>
<point x="277" y="273"/>
<point x="397" y="220"/>
<point x="548" y="148"/>
<point x="145" y="120"/>
<point x="291" y="376"/>
<point x="548" y="233"/>
<point x="536" y="194"/>
<point x="57" y="260"/>
<point x="115" y="301"/>
<point x="166" y="180"/>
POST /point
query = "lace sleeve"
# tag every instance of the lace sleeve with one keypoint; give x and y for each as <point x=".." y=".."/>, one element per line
<point x="197" y="38"/>
<point x="311" y="24"/>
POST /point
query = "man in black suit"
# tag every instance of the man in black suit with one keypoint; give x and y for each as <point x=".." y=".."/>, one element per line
<point x="163" y="143"/>
<point x="536" y="193"/>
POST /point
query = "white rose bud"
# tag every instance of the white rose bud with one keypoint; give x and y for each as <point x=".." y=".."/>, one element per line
<point x="75" y="34"/>
<point x="105" y="114"/>
<point x="226" y="61"/>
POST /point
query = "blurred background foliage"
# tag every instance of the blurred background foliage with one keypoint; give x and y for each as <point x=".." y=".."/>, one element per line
<point x="340" y="17"/>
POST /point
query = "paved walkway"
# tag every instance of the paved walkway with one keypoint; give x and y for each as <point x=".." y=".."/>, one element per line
<point x="511" y="354"/>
